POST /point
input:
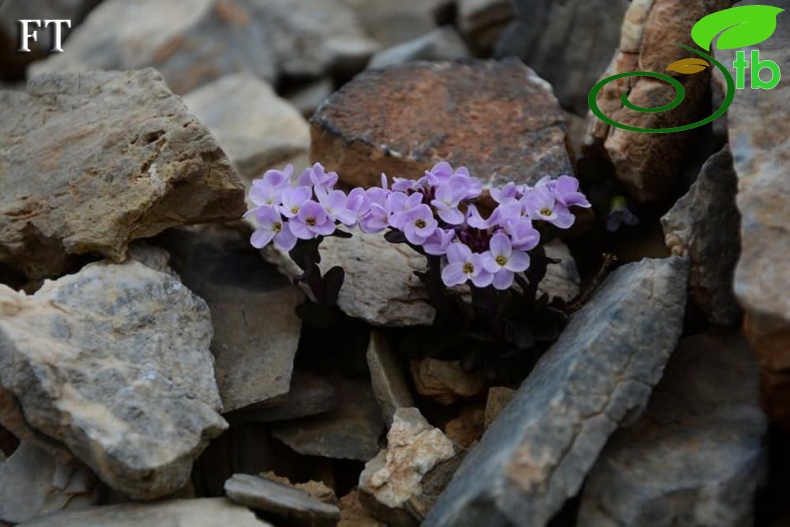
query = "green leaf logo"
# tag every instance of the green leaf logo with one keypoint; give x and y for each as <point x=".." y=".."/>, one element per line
<point x="740" y="27"/>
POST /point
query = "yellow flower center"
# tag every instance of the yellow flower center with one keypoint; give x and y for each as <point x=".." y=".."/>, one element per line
<point x="277" y="227"/>
<point x="501" y="260"/>
<point x="295" y="210"/>
<point x="310" y="222"/>
<point x="545" y="212"/>
<point x="469" y="268"/>
<point x="420" y="224"/>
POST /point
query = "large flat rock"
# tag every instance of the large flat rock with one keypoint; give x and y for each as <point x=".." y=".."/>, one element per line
<point x="91" y="161"/>
<point x="114" y="362"/>
<point x="597" y="375"/>
<point x="498" y="119"/>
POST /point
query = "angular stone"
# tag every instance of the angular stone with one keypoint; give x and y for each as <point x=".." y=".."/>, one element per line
<point x="699" y="445"/>
<point x="114" y="362"/>
<point x="387" y="377"/>
<point x="649" y="164"/>
<point x="482" y="21"/>
<point x="404" y="119"/>
<point x="279" y="499"/>
<point x="257" y="129"/>
<point x="354" y="514"/>
<point x="498" y="398"/>
<point x="758" y="121"/>
<point x="316" y="489"/>
<point x="33" y="483"/>
<point x="704" y="226"/>
<point x="350" y="432"/>
<point x="562" y="279"/>
<point x="444" y="381"/>
<point x="597" y="375"/>
<point x="256" y="330"/>
<point x="206" y="512"/>
<point x="414" y="447"/>
<point x="191" y="42"/>
<point x="442" y="43"/>
<point x="540" y="35"/>
<point x="466" y="429"/>
<point x="392" y="23"/>
<point x="94" y="160"/>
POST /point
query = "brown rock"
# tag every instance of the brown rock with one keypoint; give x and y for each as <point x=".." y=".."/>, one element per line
<point x="354" y="514"/>
<point x="497" y="118"/>
<point x="498" y="397"/>
<point x="444" y="381"/>
<point x="648" y="164"/>
<point x="94" y="160"/>
<point x="468" y="427"/>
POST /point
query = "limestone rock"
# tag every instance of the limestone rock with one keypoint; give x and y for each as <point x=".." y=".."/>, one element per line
<point x="349" y="432"/>
<point x="191" y="42"/>
<point x="414" y="447"/>
<point x="562" y="279"/>
<point x="257" y="129"/>
<point x="387" y="377"/>
<point x="757" y="121"/>
<point x="403" y="120"/>
<point x="649" y="164"/>
<point x="442" y="43"/>
<point x="280" y="499"/>
<point x="704" y="226"/>
<point x="444" y="381"/>
<point x="354" y="514"/>
<point x="114" y="362"/>
<point x="206" y="512"/>
<point x="256" y="330"/>
<point x="699" y="445"/>
<point x="94" y="160"/>
<point x="498" y="398"/>
<point x="597" y="375"/>
<point x="33" y="483"/>
<point x="567" y="43"/>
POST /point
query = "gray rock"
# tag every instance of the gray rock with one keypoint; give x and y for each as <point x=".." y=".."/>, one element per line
<point x="597" y="375"/>
<point x="541" y="35"/>
<point x="444" y="381"/>
<point x="280" y="499"/>
<point x="562" y="279"/>
<point x="206" y="512"/>
<point x="704" y="226"/>
<point x="388" y="378"/>
<point x="442" y="43"/>
<point x="114" y="362"/>
<point x="308" y="97"/>
<point x="191" y="42"/>
<point x="350" y="432"/>
<point x="392" y="23"/>
<point x="483" y="21"/>
<point x="92" y="161"/>
<point x="33" y="483"/>
<point x="498" y="399"/>
<point x="257" y="129"/>
<point x="699" y="445"/>
<point x="256" y="330"/>
<point x="758" y="128"/>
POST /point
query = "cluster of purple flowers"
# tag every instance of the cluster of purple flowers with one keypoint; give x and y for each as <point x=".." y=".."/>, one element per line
<point x="436" y="212"/>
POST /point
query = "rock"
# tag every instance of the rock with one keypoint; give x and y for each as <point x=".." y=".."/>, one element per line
<point x="704" y="226"/>
<point x="444" y="381"/>
<point x="205" y="512"/>
<point x="540" y="35"/>
<point x="114" y="362"/>
<point x="252" y="309"/>
<point x="353" y="513"/>
<point x="349" y="432"/>
<point x="279" y="499"/>
<point x="757" y="121"/>
<point x="316" y="489"/>
<point x="33" y="483"/>
<point x="699" y="445"/>
<point x="387" y="377"/>
<point x="597" y="375"/>
<point x="562" y="280"/>
<point x="648" y="164"/>
<point x="482" y="21"/>
<point x="308" y="395"/>
<point x="150" y="256"/>
<point x="498" y="398"/>
<point x="403" y="120"/>
<point x="442" y="43"/>
<point x="257" y="129"/>
<point x="466" y="429"/>
<point x="76" y="143"/>
<point x="414" y="447"/>
<point x="392" y="23"/>
<point x="190" y="42"/>
<point x="308" y="97"/>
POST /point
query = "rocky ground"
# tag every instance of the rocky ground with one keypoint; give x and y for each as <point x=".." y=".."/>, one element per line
<point x="155" y="369"/>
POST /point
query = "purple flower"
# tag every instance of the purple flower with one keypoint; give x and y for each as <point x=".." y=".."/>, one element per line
<point x="472" y="185"/>
<point x="440" y="173"/>
<point x="267" y="191"/>
<point x="620" y="214"/>
<point x="358" y="203"/>
<point x="448" y="196"/>
<point x="509" y="191"/>
<point x="463" y="265"/>
<point x="376" y="219"/>
<point x="398" y="204"/>
<point x="437" y="243"/>
<point x="475" y="220"/>
<point x="334" y="204"/>
<point x="508" y="210"/>
<point x="566" y="190"/>
<point x="311" y="221"/>
<point x="523" y="235"/>
<point x="292" y="200"/>
<point x="541" y="205"/>
<point x="418" y="224"/>
<point x="317" y="176"/>
<point x="271" y="226"/>
<point x="503" y="262"/>
<point x="400" y="184"/>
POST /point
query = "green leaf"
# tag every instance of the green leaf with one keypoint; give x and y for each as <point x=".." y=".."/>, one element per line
<point x="739" y="27"/>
